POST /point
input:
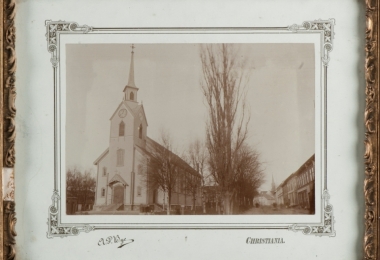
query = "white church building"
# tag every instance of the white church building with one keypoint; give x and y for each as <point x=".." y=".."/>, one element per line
<point x="120" y="181"/>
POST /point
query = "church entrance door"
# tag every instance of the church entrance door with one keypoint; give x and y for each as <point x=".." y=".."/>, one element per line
<point x="118" y="194"/>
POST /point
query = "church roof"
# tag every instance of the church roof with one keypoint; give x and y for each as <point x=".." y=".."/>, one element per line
<point x="101" y="156"/>
<point x="181" y="163"/>
<point x="117" y="178"/>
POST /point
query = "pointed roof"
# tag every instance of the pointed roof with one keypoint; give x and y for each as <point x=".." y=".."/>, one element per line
<point x="122" y="103"/>
<point x="117" y="178"/>
<point x="131" y="79"/>
<point x="101" y="156"/>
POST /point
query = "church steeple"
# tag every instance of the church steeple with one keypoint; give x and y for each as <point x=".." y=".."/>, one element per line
<point x="130" y="90"/>
<point x="131" y="79"/>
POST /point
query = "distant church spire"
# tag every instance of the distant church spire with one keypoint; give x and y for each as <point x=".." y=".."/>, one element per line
<point x="131" y="80"/>
<point x="273" y="185"/>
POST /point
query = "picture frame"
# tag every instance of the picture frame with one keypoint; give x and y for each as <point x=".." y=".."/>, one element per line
<point x="8" y="93"/>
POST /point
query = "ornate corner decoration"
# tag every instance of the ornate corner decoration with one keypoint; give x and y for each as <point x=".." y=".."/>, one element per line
<point x="326" y="27"/>
<point x="55" y="228"/>
<point x="327" y="226"/>
<point x="371" y="122"/>
<point x="54" y="29"/>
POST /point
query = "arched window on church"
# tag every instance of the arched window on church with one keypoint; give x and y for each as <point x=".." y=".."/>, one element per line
<point x="132" y="96"/>
<point x="140" y="131"/>
<point x="121" y="128"/>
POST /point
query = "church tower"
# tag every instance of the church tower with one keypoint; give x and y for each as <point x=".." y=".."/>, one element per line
<point x="118" y="184"/>
<point x="130" y="90"/>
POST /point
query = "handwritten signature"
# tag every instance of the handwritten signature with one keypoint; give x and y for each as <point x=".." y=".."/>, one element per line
<point x="115" y="240"/>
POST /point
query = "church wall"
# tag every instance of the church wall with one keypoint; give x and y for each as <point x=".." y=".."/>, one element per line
<point x="160" y="197"/>
<point x="102" y="180"/>
<point x="124" y="143"/>
<point x="140" y="196"/>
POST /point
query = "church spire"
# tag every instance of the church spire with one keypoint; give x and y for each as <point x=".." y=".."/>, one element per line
<point x="131" y="79"/>
<point x="130" y="90"/>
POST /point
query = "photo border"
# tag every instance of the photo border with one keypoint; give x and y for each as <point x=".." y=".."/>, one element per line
<point x="54" y="29"/>
<point x="372" y="124"/>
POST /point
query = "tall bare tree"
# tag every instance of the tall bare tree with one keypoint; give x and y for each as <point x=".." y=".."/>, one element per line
<point x="192" y="187"/>
<point x="74" y="182"/>
<point x="223" y="85"/>
<point x="249" y="175"/>
<point x="79" y="185"/>
<point x="88" y="184"/>
<point x="162" y="169"/>
<point x="196" y="156"/>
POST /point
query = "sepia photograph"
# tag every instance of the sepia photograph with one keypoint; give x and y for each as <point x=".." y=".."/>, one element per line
<point x="190" y="129"/>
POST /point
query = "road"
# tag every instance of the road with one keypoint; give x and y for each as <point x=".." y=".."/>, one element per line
<point x="271" y="211"/>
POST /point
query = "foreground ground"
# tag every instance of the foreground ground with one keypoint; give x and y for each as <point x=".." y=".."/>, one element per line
<point x="251" y="211"/>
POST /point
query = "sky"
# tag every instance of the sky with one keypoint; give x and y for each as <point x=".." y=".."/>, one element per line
<point x="280" y="94"/>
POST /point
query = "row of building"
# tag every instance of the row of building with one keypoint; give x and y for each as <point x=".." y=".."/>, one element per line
<point x="298" y="190"/>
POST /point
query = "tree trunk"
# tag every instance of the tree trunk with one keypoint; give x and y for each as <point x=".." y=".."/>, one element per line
<point x="85" y="197"/>
<point x="169" y="202"/>
<point x="228" y="203"/>
<point x="163" y="201"/>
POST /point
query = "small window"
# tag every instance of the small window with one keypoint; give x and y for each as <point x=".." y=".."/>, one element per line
<point x="103" y="192"/>
<point x="121" y="128"/>
<point x="140" y="131"/>
<point x="132" y="96"/>
<point x="104" y="171"/>
<point x="120" y="157"/>
<point x="138" y="191"/>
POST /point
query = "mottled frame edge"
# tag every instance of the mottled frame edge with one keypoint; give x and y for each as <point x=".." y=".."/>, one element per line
<point x="372" y="124"/>
<point x="7" y="125"/>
